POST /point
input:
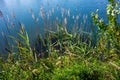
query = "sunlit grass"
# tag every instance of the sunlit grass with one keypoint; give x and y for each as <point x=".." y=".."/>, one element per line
<point x="63" y="55"/>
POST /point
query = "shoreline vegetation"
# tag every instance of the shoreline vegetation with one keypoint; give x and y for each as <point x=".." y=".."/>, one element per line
<point x="61" y="55"/>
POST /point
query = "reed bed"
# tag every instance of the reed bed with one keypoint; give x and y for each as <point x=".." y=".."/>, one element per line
<point x="60" y="54"/>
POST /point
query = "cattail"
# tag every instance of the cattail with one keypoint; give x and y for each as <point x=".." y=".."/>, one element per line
<point x="69" y="12"/>
<point x="77" y="17"/>
<point x="42" y="13"/>
<point x="22" y="28"/>
<point x="65" y="21"/>
<point x="62" y="11"/>
<point x="33" y="16"/>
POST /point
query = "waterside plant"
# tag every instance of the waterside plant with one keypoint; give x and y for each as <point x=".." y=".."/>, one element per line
<point x="60" y="55"/>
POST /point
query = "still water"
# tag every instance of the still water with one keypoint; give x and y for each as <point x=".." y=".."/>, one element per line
<point x="40" y="15"/>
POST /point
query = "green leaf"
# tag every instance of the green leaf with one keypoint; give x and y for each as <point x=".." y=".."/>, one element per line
<point x="22" y="36"/>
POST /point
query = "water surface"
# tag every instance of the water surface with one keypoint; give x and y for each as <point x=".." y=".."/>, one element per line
<point x="38" y="15"/>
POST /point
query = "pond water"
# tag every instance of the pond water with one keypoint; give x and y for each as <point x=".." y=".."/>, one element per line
<point x="40" y="15"/>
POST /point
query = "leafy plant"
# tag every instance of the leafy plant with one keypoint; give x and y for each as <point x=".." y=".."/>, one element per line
<point x="66" y="56"/>
<point x="108" y="40"/>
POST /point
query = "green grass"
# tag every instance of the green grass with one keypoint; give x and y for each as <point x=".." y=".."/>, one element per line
<point x="61" y="55"/>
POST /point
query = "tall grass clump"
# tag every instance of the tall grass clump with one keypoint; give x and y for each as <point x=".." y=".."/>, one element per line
<point x="60" y="55"/>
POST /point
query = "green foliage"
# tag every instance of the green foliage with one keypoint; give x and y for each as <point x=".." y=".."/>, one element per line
<point x="67" y="56"/>
<point x="108" y="33"/>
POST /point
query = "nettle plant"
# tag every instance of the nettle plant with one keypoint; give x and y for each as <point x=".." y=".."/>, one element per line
<point x="109" y="33"/>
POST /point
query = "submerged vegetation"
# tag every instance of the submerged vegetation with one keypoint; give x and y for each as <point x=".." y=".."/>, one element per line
<point x="61" y="55"/>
